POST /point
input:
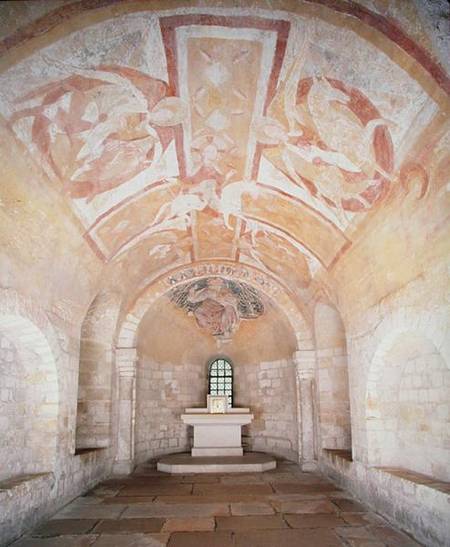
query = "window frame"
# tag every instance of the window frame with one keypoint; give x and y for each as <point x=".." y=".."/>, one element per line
<point x="229" y="377"/>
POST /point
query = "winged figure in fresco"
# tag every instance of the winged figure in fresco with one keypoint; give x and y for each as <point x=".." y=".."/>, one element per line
<point x="99" y="128"/>
<point x="225" y="201"/>
<point x="328" y="138"/>
<point x="218" y="304"/>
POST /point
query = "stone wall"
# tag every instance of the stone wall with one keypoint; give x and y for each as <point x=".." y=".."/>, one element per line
<point x="402" y="288"/>
<point x="40" y="386"/>
<point x="29" y="499"/>
<point x="269" y="389"/>
<point x="392" y="292"/>
<point x="163" y="392"/>
<point x="414" y="502"/>
<point x="96" y="374"/>
<point x="171" y="375"/>
<point x="332" y="379"/>
<point x="28" y="410"/>
<point x="409" y="408"/>
<point x="172" y="369"/>
<point x="46" y="285"/>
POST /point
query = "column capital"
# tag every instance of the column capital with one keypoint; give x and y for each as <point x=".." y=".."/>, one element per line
<point x="302" y="355"/>
<point x="305" y="363"/>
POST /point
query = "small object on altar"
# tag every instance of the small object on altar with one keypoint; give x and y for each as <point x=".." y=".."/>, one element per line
<point x="217" y="404"/>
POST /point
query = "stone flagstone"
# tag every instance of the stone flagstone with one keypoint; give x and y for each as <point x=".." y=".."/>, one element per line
<point x="216" y="516"/>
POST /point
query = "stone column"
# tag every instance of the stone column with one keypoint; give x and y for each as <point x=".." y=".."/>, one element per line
<point x="305" y="361"/>
<point x="126" y="371"/>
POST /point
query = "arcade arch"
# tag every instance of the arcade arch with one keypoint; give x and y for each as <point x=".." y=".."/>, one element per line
<point x="30" y="399"/>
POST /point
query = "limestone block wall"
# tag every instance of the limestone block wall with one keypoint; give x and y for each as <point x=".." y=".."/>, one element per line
<point x="40" y="361"/>
<point x="48" y="277"/>
<point x="398" y="350"/>
<point x="381" y="359"/>
<point x="409" y="407"/>
<point x="94" y="396"/>
<point x="28" y="411"/>
<point x="392" y="288"/>
<point x="172" y="374"/>
<point x="163" y="391"/>
<point x="269" y="389"/>
<point x="29" y="499"/>
<point x="332" y="379"/>
<point x="408" y="500"/>
<point x="392" y="291"/>
<point x="96" y="374"/>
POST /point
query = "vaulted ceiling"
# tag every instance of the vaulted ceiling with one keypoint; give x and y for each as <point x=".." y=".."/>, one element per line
<point x="248" y="136"/>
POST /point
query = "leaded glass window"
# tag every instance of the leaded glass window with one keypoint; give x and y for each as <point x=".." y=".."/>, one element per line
<point x="221" y="379"/>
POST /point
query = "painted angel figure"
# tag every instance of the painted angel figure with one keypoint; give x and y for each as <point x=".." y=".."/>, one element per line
<point x="329" y="138"/>
<point x="218" y="309"/>
<point x="218" y="304"/>
<point x="99" y="128"/>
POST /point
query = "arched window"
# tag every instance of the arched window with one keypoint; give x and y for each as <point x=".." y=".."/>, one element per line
<point x="221" y="379"/>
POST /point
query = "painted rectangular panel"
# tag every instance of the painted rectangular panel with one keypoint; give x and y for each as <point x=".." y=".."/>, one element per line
<point x="151" y="209"/>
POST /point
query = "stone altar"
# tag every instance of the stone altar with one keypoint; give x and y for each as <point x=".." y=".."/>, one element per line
<point x="217" y="428"/>
<point x="217" y="442"/>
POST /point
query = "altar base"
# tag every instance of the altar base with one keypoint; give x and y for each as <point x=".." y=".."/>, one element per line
<point x="250" y="462"/>
<point x="217" y="434"/>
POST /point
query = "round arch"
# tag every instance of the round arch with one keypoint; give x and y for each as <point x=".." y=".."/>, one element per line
<point x="126" y="353"/>
<point x="221" y="377"/>
<point x="96" y="372"/>
<point x="402" y="334"/>
<point x="126" y="336"/>
<point x="28" y="328"/>
<point x="31" y="382"/>
<point x="332" y="377"/>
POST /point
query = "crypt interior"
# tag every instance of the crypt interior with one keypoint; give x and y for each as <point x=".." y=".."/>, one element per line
<point x="251" y="190"/>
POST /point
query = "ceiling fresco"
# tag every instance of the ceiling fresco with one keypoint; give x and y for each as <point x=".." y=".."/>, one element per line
<point x="184" y="136"/>
<point x="218" y="304"/>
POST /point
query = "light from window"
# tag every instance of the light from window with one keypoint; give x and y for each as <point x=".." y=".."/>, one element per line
<point x="221" y="379"/>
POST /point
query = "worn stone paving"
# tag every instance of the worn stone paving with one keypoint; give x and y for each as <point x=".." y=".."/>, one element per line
<point x="283" y="507"/>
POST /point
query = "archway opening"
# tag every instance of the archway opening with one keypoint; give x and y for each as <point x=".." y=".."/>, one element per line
<point x="333" y="379"/>
<point x="408" y="408"/>
<point x="95" y="375"/>
<point x="29" y="399"/>
<point x="174" y="348"/>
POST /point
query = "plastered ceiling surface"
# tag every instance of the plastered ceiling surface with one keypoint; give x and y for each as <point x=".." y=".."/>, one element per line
<point x="242" y="136"/>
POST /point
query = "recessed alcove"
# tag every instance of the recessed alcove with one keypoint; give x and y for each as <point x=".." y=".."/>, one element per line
<point x="95" y="376"/>
<point x="174" y="348"/>
<point x="408" y="406"/>
<point x="333" y="379"/>
<point x="29" y="402"/>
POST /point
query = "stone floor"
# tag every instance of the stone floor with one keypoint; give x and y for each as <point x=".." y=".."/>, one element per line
<point x="279" y="508"/>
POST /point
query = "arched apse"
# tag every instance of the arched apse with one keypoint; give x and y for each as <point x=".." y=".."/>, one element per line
<point x="126" y="351"/>
<point x="173" y="352"/>
<point x="332" y="378"/>
<point x="407" y="406"/>
<point x="30" y="399"/>
<point x="298" y="316"/>
<point x="95" y="376"/>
